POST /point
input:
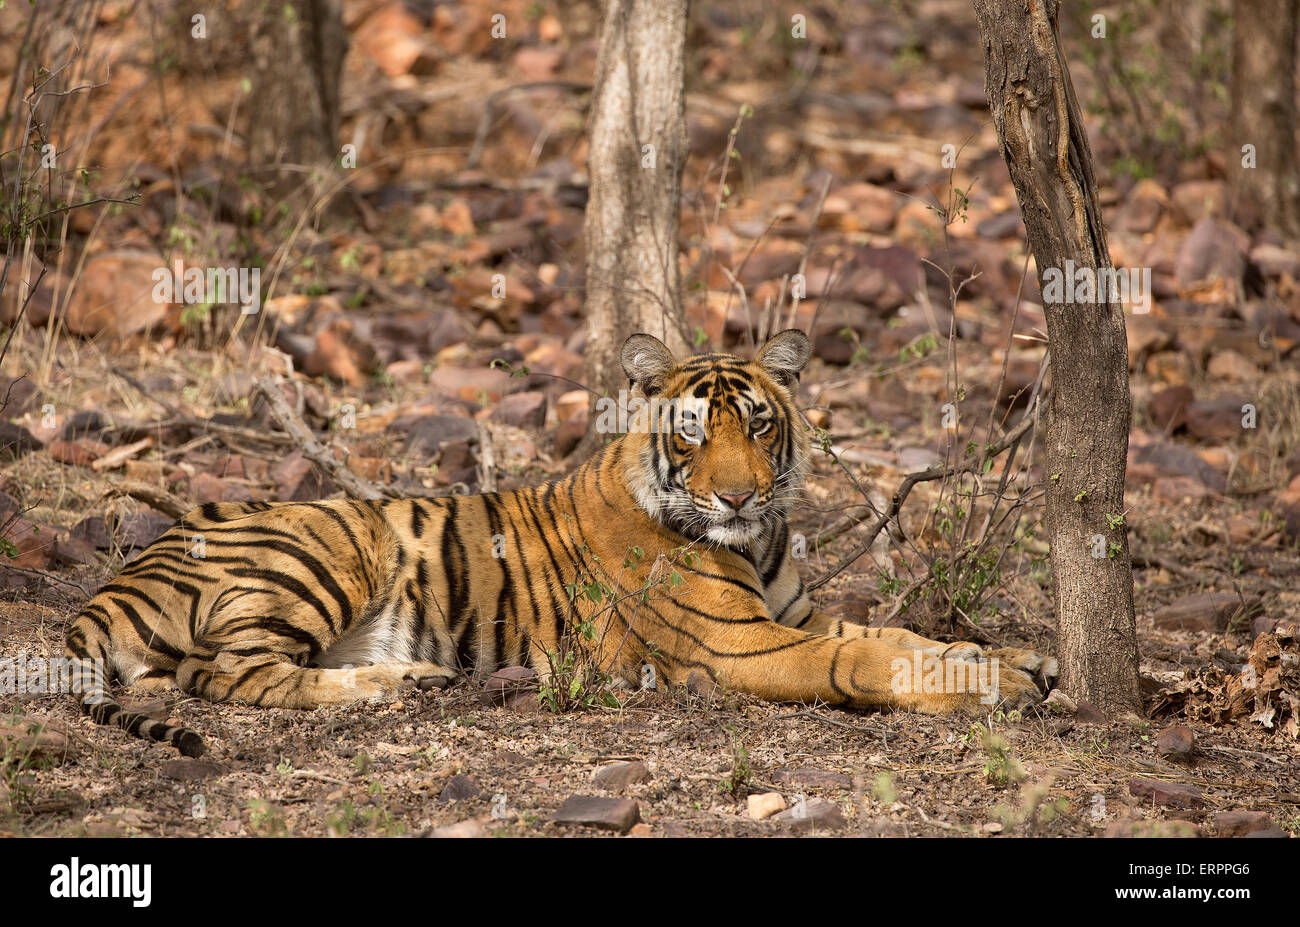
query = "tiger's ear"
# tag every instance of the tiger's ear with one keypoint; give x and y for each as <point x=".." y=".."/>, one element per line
<point x="784" y="355"/>
<point x="646" y="361"/>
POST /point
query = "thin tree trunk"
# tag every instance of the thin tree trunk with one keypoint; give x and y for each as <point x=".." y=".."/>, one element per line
<point x="1264" y="108"/>
<point x="635" y="158"/>
<point x="1046" y="148"/>
<point x="297" y="49"/>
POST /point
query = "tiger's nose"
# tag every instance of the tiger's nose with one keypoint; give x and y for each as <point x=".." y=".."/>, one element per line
<point x="735" y="500"/>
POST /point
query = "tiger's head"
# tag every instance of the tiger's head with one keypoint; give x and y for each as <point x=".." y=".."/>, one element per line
<point x="720" y="450"/>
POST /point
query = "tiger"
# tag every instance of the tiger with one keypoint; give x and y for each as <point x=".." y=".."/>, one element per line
<point x="679" y="524"/>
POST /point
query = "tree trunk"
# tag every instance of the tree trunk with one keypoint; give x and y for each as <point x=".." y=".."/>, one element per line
<point x="297" y="49"/>
<point x="1046" y="148"/>
<point x="1264" y="108"/>
<point x="633" y="281"/>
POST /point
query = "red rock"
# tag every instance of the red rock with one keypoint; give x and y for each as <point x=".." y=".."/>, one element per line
<point x="523" y="410"/>
<point x="616" y="814"/>
<point x="619" y="776"/>
<point x="77" y="453"/>
<point x="340" y="353"/>
<point x="1176" y="743"/>
<point x="1208" y="612"/>
<point x="1168" y="408"/>
<point x="114" y="296"/>
<point x="1241" y="823"/>
<point x="812" y="814"/>
<point x="1168" y="794"/>
<point x="508" y="681"/>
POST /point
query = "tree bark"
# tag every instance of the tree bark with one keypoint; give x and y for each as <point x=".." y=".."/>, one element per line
<point x="1046" y="148"/>
<point x="1264" y="111"/>
<point x="633" y="280"/>
<point x="297" y="50"/>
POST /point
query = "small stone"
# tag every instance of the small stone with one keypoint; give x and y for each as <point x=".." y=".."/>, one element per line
<point x="1209" y="612"/>
<point x="1089" y="713"/>
<point x="507" y="682"/>
<point x="191" y="770"/>
<point x="762" y="807"/>
<point x="992" y="827"/>
<point x="459" y="788"/>
<point x="1241" y="823"/>
<point x="469" y="828"/>
<point x="1060" y="703"/>
<point x="617" y="814"/>
<point x="812" y="814"/>
<point x="1168" y="408"/>
<point x="640" y="830"/>
<point x="16" y="441"/>
<point x="807" y="778"/>
<point x="1169" y="794"/>
<point x="619" y="776"/>
<point x="1141" y="828"/>
<point x="523" y="410"/>
<point x="1176" y="743"/>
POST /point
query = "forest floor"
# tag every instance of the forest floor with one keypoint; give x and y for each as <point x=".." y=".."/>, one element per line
<point x="397" y="341"/>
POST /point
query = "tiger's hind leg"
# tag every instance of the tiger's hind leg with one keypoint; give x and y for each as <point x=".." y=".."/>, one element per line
<point x="272" y="680"/>
<point x="1028" y="661"/>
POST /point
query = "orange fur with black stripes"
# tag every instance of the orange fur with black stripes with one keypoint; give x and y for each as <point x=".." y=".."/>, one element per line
<point x="298" y="605"/>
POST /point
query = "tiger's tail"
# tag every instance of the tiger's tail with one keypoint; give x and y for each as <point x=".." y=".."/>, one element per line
<point x="87" y="652"/>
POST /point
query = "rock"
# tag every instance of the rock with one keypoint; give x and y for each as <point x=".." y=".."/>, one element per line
<point x="570" y="433"/>
<point x="616" y="814"/>
<point x="207" y="488"/>
<point x="114" y="296"/>
<point x="18" y="396"/>
<point x="1143" y="207"/>
<point x="74" y="551"/>
<point x="473" y="384"/>
<point x="427" y="435"/>
<point x="340" y="352"/>
<point x="1194" y="200"/>
<point x="84" y="425"/>
<point x="807" y="778"/>
<point x="1003" y="225"/>
<point x="1274" y="260"/>
<point x="394" y="39"/>
<point x="1209" y="612"/>
<point x="1229" y="365"/>
<point x="191" y="770"/>
<point x="1241" y="823"/>
<point x="469" y="828"/>
<point x="619" y="776"/>
<point x="1089" y="713"/>
<point x="762" y="807"/>
<point x="1218" y="421"/>
<point x="1271" y="833"/>
<point x="297" y="479"/>
<point x="507" y="682"/>
<point x="36" y="739"/>
<point x="1163" y="458"/>
<point x="1157" y="829"/>
<point x="16" y="441"/>
<point x="1168" y="794"/>
<point x="1176" y="743"/>
<point x="523" y="410"/>
<point x="1060" y="703"/>
<point x="459" y="788"/>
<point x="1214" y="249"/>
<point x="911" y="459"/>
<point x="140" y="529"/>
<point x="1168" y="408"/>
<point x="812" y="814"/>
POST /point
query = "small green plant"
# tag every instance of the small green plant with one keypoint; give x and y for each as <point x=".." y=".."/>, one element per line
<point x="266" y="819"/>
<point x="1001" y="768"/>
<point x="740" y="769"/>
